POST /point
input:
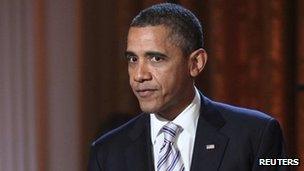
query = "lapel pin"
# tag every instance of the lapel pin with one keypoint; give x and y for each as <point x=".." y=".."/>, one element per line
<point x="210" y="146"/>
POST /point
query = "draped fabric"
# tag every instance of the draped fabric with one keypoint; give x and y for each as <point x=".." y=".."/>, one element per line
<point x="298" y="117"/>
<point x="64" y="81"/>
<point x="39" y="86"/>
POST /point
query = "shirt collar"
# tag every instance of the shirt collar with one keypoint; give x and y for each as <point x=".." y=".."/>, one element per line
<point x="187" y="119"/>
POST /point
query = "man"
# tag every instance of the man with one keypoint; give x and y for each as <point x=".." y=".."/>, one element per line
<point x="180" y="129"/>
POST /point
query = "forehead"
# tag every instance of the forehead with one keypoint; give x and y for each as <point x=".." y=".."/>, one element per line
<point x="148" y="38"/>
<point x="148" y="34"/>
<point x="160" y="31"/>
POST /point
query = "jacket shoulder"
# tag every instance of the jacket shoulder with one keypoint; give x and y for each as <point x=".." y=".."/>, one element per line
<point x="242" y="115"/>
<point x="118" y="134"/>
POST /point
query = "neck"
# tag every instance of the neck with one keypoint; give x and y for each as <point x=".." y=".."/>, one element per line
<point x="175" y="109"/>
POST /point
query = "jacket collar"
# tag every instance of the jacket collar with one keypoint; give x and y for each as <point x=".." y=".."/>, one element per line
<point x="209" y="146"/>
<point x="139" y="154"/>
<point x="208" y="114"/>
<point x="210" y="143"/>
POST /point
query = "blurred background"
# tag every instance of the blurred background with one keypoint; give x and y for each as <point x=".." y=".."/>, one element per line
<point x="64" y="82"/>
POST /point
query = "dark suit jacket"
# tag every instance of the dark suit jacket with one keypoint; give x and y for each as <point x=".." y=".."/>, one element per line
<point x="240" y="136"/>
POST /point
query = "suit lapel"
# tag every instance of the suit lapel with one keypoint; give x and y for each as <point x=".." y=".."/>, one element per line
<point x="138" y="153"/>
<point x="210" y="143"/>
<point x="209" y="146"/>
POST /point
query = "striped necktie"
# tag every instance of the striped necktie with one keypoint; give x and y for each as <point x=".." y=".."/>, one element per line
<point x="169" y="157"/>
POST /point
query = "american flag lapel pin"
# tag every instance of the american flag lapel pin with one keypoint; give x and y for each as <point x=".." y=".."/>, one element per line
<point x="210" y="146"/>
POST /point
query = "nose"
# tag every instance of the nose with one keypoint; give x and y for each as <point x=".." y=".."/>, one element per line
<point x="142" y="72"/>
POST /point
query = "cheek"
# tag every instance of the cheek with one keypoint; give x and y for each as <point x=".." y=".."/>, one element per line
<point x="130" y="76"/>
<point x="166" y="80"/>
<point x="176" y="78"/>
<point x="129" y="72"/>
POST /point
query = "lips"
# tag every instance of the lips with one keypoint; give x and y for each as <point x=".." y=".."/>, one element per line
<point x="145" y="93"/>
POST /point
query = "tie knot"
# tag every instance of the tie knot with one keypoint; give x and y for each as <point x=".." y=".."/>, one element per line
<point x="171" y="131"/>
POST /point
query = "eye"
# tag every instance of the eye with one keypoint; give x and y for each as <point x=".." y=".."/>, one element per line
<point x="132" y="58"/>
<point x="156" y="59"/>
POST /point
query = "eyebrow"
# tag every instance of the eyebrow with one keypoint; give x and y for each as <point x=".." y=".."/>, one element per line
<point x="129" y="53"/>
<point x="155" y="53"/>
<point x="147" y="54"/>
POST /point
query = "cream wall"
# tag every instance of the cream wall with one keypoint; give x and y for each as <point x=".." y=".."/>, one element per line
<point x="39" y="83"/>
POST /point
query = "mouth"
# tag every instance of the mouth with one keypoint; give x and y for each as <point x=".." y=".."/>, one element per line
<point x="145" y="93"/>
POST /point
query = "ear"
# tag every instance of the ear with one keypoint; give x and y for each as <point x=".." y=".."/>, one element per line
<point x="197" y="61"/>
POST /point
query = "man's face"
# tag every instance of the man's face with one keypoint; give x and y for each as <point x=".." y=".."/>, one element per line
<point x="158" y="71"/>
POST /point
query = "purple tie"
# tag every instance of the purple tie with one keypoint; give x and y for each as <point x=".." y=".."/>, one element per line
<point x="169" y="157"/>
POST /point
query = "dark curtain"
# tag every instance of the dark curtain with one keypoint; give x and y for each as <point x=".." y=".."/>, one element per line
<point x="255" y="61"/>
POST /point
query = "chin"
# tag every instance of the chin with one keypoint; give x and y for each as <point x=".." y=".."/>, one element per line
<point x="148" y="108"/>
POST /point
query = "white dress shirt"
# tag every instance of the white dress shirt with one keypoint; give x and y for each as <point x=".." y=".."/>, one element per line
<point x="187" y="119"/>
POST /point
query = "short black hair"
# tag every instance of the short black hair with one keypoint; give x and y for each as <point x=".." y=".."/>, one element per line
<point x="185" y="28"/>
